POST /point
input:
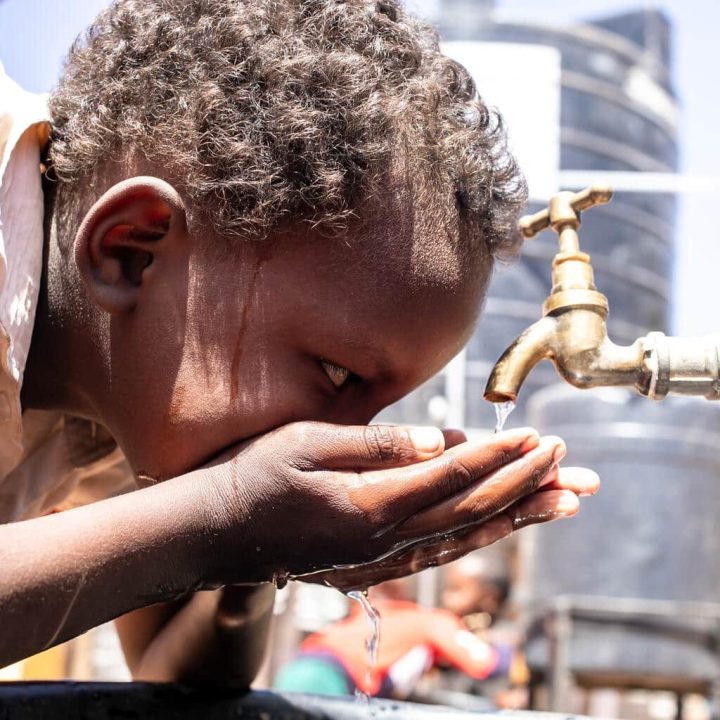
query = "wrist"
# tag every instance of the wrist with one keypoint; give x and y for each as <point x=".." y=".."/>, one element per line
<point x="224" y="549"/>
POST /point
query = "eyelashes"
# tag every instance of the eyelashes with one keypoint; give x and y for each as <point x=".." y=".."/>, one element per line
<point x="338" y="375"/>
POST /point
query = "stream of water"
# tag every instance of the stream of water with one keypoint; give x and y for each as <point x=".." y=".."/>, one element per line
<point x="372" y="643"/>
<point x="502" y="412"/>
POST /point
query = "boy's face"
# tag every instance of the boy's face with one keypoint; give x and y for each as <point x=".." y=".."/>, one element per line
<point x="465" y="594"/>
<point x="295" y="328"/>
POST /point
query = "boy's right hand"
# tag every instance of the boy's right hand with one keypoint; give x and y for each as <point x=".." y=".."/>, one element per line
<point x="312" y="496"/>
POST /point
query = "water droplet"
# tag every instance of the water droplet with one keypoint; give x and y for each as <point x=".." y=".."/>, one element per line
<point x="361" y="698"/>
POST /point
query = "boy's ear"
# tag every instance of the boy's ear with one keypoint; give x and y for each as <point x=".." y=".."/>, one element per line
<point x="122" y="236"/>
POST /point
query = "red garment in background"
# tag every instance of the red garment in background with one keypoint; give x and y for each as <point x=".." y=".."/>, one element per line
<point x="404" y="626"/>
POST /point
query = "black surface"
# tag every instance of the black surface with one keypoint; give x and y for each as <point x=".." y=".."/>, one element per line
<point x="132" y="701"/>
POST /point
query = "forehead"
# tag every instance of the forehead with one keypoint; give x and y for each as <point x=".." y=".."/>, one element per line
<point x="406" y="243"/>
<point x="411" y="233"/>
<point x="416" y="224"/>
<point x="391" y="286"/>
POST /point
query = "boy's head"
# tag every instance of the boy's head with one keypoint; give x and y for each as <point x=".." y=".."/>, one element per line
<point x="475" y="584"/>
<point x="245" y="189"/>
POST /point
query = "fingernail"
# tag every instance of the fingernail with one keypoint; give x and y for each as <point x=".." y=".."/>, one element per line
<point x="567" y="504"/>
<point x="584" y="480"/>
<point x="426" y="439"/>
<point x="560" y="448"/>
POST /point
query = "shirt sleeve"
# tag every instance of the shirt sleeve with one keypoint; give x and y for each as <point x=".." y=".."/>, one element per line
<point x="24" y="130"/>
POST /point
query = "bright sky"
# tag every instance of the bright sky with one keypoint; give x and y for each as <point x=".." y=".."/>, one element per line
<point x="34" y="35"/>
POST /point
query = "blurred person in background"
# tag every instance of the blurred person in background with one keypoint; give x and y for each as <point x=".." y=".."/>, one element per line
<point x="413" y="639"/>
<point x="477" y="589"/>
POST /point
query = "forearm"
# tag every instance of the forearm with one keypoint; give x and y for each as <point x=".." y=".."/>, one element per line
<point x="242" y="628"/>
<point x="216" y="638"/>
<point x="65" y="573"/>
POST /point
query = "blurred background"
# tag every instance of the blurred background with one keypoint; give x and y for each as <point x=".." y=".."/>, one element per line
<point x="615" y="613"/>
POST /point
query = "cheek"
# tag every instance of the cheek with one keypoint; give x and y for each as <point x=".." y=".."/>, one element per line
<point x="217" y="404"/>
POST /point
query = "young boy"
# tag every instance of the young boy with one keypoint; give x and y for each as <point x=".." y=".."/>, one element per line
<point x="259" y="223"/>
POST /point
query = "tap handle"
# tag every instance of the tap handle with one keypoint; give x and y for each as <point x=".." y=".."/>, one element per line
<point x="563" y="208"/>
<point x="531" y="225"/>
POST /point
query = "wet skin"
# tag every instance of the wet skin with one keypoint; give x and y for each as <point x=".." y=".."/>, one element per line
<point x="270" y="321"/>
<point x="216" y="347"/>
<point x="196" y="361"/>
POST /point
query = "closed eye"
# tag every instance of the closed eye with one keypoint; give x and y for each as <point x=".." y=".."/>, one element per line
<point x="338" y="375"/>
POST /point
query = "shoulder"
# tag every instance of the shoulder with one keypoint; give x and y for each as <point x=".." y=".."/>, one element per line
<point x="67" y="462"/>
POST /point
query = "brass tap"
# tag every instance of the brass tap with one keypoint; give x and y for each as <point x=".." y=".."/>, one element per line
<point x="573" y="334"/>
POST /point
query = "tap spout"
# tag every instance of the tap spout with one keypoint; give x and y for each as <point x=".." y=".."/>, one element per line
<point x="515" y="364"/>
<point x="576" y="342"/>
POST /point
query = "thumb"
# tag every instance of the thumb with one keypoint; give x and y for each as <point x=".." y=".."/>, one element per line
<point x="365" y="447"/>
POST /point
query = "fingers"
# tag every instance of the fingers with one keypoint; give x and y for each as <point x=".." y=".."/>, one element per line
<point x="477" y="501"/>
<point x="543" y="507"/>
<point x="455" y="547"/>
<point x="368" y="447"/>
<point x="539" y="508"/>
<point x="415" y="559"/>
<point x="401" y="492"/>
<point x="453" y="437"/>
<point x="580" y="481"/>
<point x="556" y="498"/>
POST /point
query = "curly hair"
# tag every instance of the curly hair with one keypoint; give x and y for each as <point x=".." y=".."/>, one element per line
<point x="279" y="111"/>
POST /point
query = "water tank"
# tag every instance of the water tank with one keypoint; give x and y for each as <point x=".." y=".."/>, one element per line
<point x="651" y="532"/>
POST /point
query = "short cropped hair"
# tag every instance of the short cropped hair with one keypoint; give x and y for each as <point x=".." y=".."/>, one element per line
<point x="268" y="112"/>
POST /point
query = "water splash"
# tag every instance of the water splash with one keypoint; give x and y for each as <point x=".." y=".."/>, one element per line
<point x="372" y="644"/>
<point x="362" y="699"/>
<point x="502" y="413"/>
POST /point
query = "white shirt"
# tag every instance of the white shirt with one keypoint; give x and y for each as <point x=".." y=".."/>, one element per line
<point x="48" y="461"/>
